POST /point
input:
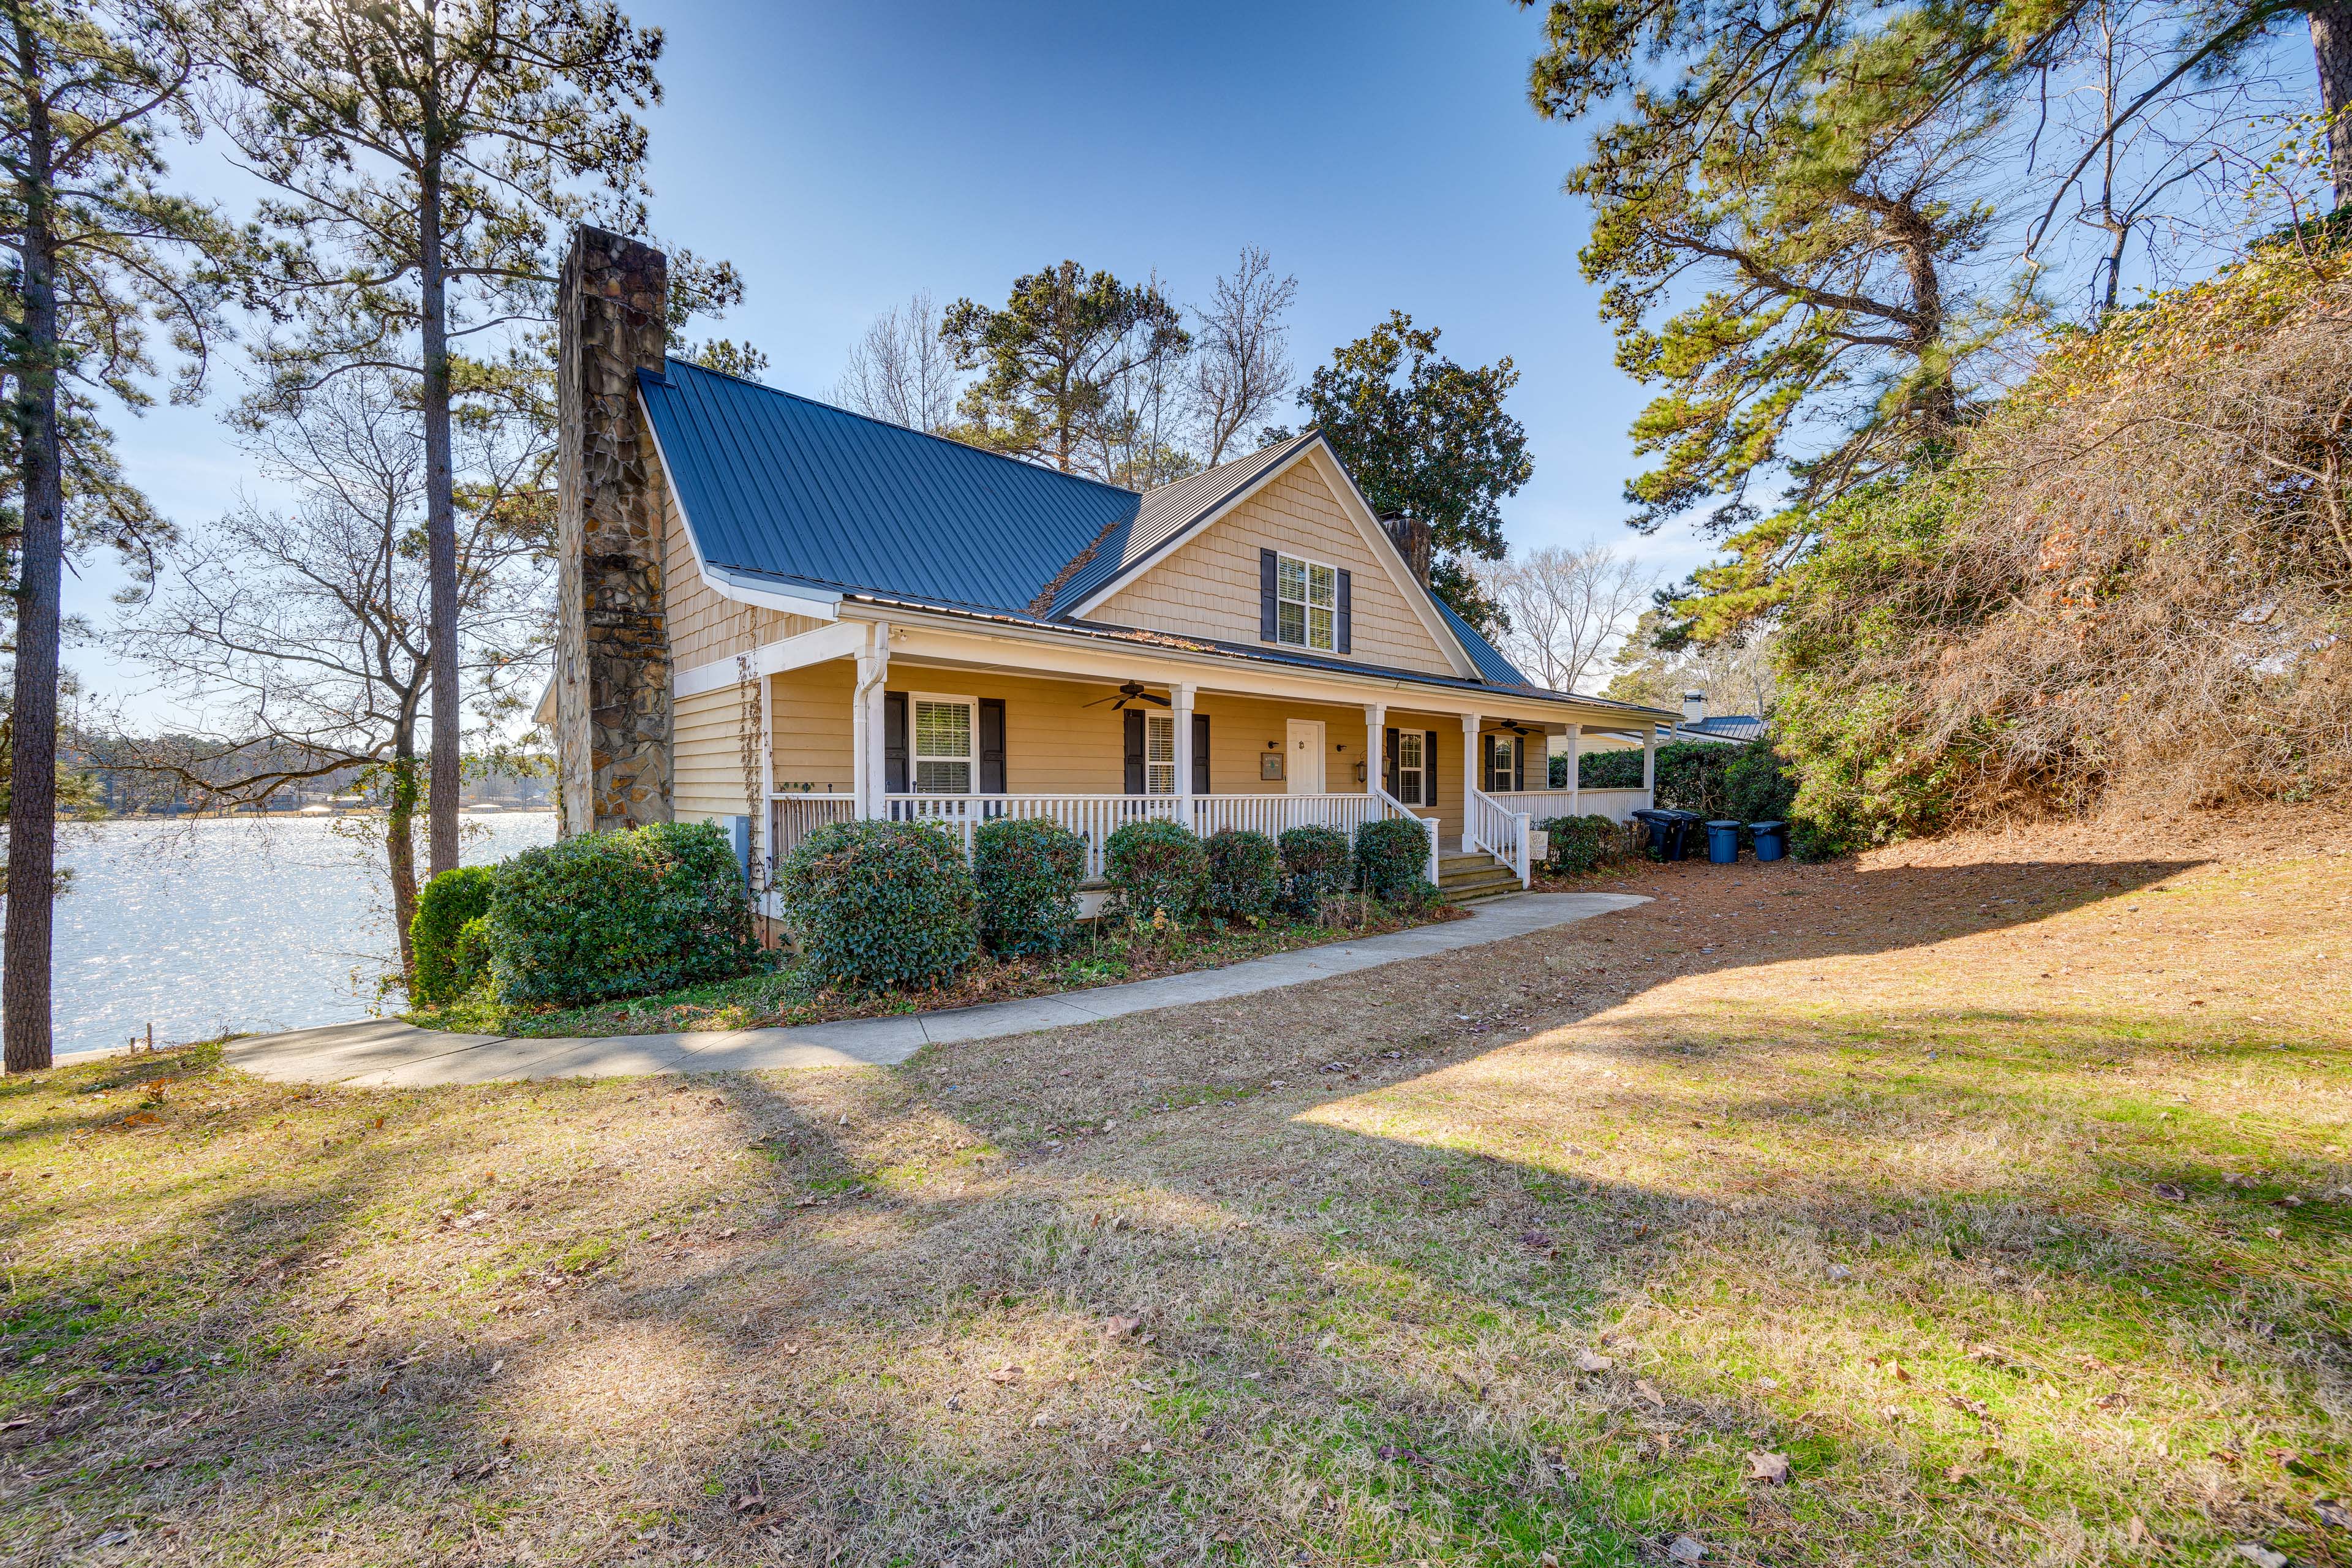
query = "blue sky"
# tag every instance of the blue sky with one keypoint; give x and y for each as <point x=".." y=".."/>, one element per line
<point x="845" y="157"/>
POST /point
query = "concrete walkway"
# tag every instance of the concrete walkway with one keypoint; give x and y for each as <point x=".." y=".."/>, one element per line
<point x="386" y="1052"/>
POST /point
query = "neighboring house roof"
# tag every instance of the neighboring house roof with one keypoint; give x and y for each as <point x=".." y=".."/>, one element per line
<point x="1735" y="728"/>
<point x="783" y="489"/>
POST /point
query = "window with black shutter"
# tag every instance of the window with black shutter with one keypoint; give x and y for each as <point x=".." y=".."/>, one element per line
<point x="1134" y="751"/>
<point x="1200" y="753"/>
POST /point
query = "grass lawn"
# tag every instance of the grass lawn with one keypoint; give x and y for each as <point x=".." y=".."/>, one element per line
<point x="789" y="995"/>
<point x="2000" y="1187"/>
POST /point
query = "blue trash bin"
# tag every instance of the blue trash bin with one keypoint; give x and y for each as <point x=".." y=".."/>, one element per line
<point x="1771" y="839"/>
<point x="1722" y="842"/>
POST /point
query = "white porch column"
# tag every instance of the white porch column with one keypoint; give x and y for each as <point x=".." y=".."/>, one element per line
<point x="1376" y="721"/>
<point x="861" y="788"/>
<point x="872" y="731"/>
<point x="1469" y="778"/>
<point x="1575" y="769"/>
<point x="1183" y="694"/>
<point x="1650" y="762"/>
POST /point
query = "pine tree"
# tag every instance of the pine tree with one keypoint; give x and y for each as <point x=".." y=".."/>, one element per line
<point x="97" y="246"/>
<point x="424" y="158"/>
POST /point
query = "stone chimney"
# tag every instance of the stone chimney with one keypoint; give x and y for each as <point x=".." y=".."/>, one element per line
<point x="1693" y="707"/>
<point x="612" y="650"/>
<point x="1413" y="541"/>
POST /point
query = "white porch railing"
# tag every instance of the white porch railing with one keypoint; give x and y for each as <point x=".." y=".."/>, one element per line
<point x="1500" y="832"/>
<point x="793" y="817"/>
<point x="1275" y="815"/>
<point x="1617" y="804"/>
<point x="1093" y="818"/>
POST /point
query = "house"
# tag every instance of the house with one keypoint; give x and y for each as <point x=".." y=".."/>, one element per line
<point x="1724" y="728"/>
<point x="781" y="614"/>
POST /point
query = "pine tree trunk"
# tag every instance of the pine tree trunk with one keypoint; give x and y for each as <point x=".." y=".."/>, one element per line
<point x="2331" y="43"/>
<point x="440" y="523"/>
<point x="33" y="793"/>
<point x="400" y="850"/>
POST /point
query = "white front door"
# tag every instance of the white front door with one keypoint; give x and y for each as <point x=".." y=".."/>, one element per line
<point x="1304" y="742"/>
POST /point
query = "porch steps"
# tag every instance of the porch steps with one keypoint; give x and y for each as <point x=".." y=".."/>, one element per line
<point x="1467" y="878"/>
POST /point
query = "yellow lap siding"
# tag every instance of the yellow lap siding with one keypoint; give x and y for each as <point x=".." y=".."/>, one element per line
<point x="1208" y="586"/>
<point x="707" y="733"/>
<point x="811" y="722"/>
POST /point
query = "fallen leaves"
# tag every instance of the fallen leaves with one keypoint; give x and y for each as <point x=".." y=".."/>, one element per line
<point x="1686" y="1549"/>
<point x="1772" y="1469"/>
<point x="1593" y="1361"/>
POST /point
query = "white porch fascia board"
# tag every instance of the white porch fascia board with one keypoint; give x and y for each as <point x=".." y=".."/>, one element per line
<point x="843" y="639"/>
<point x="1012" y="650"/>
<point x="1359" y="512"/>
<point x="817" y="603"/>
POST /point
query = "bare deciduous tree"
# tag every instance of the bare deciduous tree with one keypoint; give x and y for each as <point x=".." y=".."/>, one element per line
<point x="1567" y="606"/>
<point x="1240" y="366"/>
<point x="902" y="371"/>
<point x="299" y="640"/>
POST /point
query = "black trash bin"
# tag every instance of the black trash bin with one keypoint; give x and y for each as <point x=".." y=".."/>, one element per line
<point x="1656" y="825"/>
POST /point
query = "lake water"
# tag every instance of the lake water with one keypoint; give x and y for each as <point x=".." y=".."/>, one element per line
<point x="202" y="927"/>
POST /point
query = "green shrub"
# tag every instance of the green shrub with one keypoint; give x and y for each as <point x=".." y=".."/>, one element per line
<point x="1391" y="855"/>
<point x="1582" y="844"/>
<point x="444" y="906"/>
<point x="1026" y="872"/>
<point x="1244" y="876"/>
<point x="877" y="904"/>
<point x="618" y="914"/>
<point x="1314" y="867"/>
<point x="1609" y="770"/>
<point x="1758" y="786"/>
<point x="1155" y="868"/>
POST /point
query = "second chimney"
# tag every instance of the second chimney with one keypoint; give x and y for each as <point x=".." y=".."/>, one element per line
<point x="1413" y="541"/>
<point x="1694" y="707"/>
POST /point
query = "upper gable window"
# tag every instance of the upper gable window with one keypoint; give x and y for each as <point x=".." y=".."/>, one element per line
<point x="1306" y="603"/>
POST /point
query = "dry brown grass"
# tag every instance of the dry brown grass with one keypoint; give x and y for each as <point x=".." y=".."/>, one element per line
<point x="1866" y="1164"/>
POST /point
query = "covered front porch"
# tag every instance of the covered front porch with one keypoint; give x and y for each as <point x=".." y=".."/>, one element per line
<point x="908" y="723"/>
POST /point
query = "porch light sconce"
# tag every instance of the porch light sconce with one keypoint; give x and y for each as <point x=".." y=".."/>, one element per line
<point x="1359" y="772"/>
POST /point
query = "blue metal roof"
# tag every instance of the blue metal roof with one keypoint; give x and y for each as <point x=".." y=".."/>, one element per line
<point x="781" y="485"/>
<point x="802" y="493"/>
<point x="1489" y="659"/>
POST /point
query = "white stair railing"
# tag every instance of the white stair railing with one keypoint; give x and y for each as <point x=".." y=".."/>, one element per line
<point x="1501" y="832"/>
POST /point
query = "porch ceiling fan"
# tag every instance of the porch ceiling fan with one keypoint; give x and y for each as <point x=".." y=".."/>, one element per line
<point x="1132" y="692"/>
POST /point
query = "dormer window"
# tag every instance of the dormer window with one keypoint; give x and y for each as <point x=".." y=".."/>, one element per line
<point x="1306" y="603"/>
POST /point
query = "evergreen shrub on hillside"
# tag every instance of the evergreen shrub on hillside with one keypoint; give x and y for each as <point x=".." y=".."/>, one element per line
<point x="880" y="904"/>
<point x="618" y="914"/>
<point x="1245" y="874"/>
<point x="1026" y="872"/>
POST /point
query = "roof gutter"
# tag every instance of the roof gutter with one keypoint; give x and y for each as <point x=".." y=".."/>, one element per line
<point x="903" y="614"/>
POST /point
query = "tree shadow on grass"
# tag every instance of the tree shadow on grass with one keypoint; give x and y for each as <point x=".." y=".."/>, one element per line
<point x="1354" y="1335"/>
